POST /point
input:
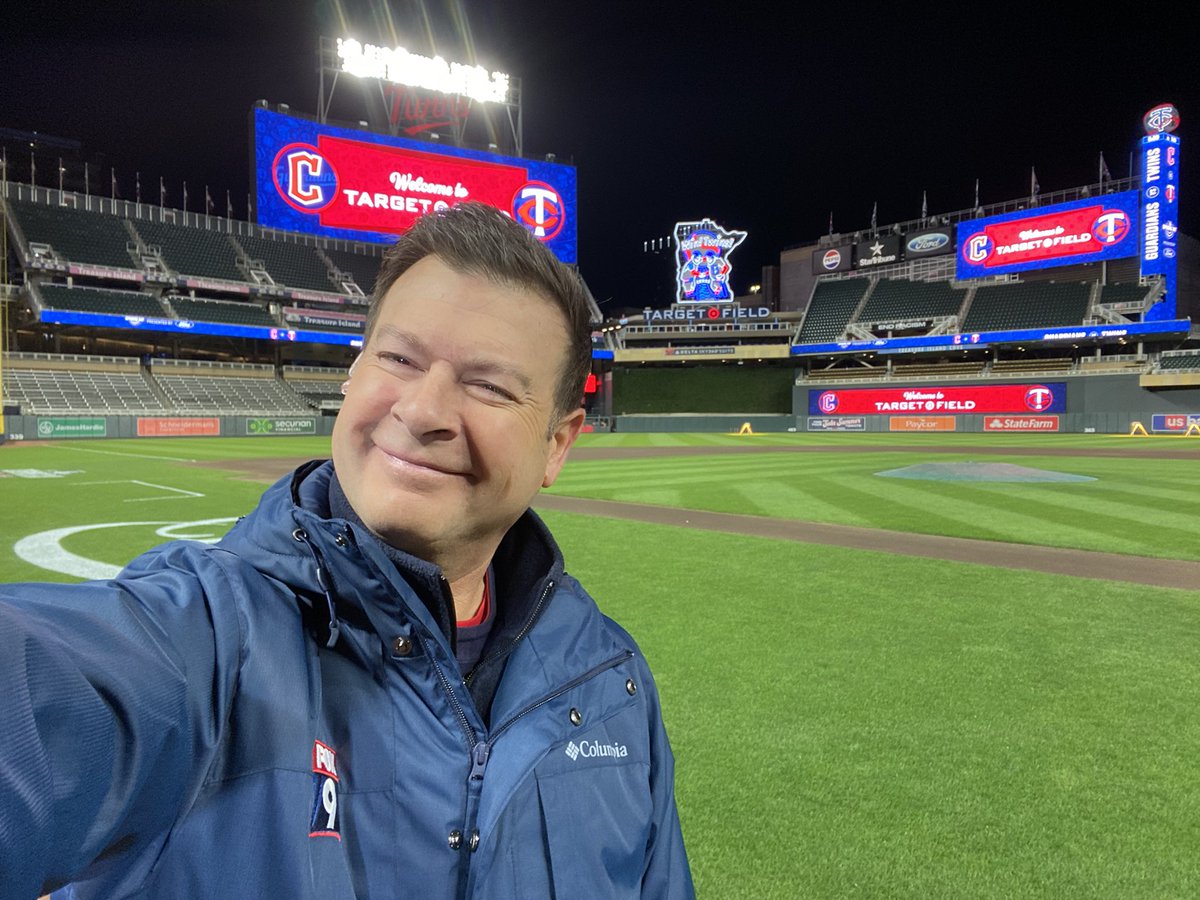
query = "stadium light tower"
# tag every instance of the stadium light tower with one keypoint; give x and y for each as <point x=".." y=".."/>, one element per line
<point x="419" y="93"/>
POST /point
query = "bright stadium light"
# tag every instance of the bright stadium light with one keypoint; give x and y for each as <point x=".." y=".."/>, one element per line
<point x="399" y="66"/>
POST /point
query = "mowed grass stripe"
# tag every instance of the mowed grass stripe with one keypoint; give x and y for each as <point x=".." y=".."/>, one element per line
<point x="1113" y="513"/>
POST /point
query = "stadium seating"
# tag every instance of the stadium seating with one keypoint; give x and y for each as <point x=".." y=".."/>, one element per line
<point x="361" y="267"/>
<point x="1179" y="362"/>
<point x="1122" y="293"/>
<point x="98" y="300"/>
<point x="51" y="384"/>
<point x="78" y="236"/>
<point x="205" y="395"/>
<point x="895" y="301"/>
<point x="193" y="251"/>
<point x="831" y="306"/>
<point x="194" y="388"/>
<point x="1000" y="307"/>
<point x="292" y="265"/>
<point x="318" y="387"/>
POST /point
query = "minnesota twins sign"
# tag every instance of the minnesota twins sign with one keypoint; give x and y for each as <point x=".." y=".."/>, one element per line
<point x="360" y="186"/>
<point x="702" y="251"/>
<point x="1082" y="231"/>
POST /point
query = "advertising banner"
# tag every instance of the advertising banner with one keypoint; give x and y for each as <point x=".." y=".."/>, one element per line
<point x="921" y="423"/>
<point x="934" y="242"/>
<point x="199" y="427"/>
<point x="1172" y="423"/>
<point x="835" y="259"/>
<point x="1021" y="423"/>
<point x="356" y="185"/>
<point x="48" y="428"/>
<point x="986" y="399"/>
<point x="880" y="251"/>
<point x="1082" y="231"/>
<point x="837" y="423"/>
<point x="278" y="426"/>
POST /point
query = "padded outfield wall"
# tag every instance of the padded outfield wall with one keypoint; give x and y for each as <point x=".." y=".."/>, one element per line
<point x="57" y="427"/>
<point x="1105" y="404"/>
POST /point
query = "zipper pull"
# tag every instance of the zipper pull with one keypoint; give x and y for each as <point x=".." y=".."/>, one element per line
<point x="479" y="760"/>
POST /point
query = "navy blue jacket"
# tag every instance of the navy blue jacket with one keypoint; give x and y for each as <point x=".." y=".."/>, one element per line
<point x="280" y="715"/>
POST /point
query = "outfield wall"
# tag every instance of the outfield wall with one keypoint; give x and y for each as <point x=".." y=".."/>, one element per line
<point x="733" y="389"/>
<point x="44" y="428"/>
<point x="1104" y="404"/>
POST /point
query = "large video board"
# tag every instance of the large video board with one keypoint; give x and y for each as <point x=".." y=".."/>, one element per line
<point x="1081" y="231"/>
<point x="355" y="185"/>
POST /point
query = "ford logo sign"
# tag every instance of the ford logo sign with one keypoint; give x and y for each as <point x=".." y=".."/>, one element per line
<point x="924" y="243"/>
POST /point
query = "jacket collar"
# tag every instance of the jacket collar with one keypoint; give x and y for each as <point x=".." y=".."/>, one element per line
<point x="334" y="585"/>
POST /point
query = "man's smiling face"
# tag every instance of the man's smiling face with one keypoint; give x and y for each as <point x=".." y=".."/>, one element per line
<point x="448" y="427"/>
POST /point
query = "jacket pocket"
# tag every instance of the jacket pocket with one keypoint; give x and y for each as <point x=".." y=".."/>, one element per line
<point x="597" y="825"/>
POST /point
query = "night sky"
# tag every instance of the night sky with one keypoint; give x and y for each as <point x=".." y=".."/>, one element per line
<point x="764" y="121"/>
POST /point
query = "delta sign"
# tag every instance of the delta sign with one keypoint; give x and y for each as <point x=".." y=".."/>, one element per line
<point x="355" y="185"/>
<point x="1082" y="231"/>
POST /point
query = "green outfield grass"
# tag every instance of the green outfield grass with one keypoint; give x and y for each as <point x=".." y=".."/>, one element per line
<point x="846" y="724"/>
<point x="1144" y="506"/>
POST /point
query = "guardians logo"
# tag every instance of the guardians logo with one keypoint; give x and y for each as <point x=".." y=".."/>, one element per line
<point x="702" y="251"/>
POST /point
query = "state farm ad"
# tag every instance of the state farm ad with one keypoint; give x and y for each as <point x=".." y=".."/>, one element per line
<point x="986" y="399"/>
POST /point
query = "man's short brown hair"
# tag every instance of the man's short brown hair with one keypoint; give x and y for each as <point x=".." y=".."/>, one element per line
<point x="476" y="239"/>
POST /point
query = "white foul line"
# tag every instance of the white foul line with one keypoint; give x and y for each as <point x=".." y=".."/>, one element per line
<point x="148" y="484"/>
<point x="135" y="455"/>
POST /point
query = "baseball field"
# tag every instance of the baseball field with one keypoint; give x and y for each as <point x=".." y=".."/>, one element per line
<point x="891" y="665"/>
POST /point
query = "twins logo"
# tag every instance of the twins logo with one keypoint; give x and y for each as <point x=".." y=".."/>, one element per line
<point x="828" y="402"/>
<point x="324" y="820"/>
<point x="977" y="248"/>
<point x="1111" y="227"/>
<point x="304" y="178"/>
<point x="1039" y="398"/>
<point x="540" y="208"/>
